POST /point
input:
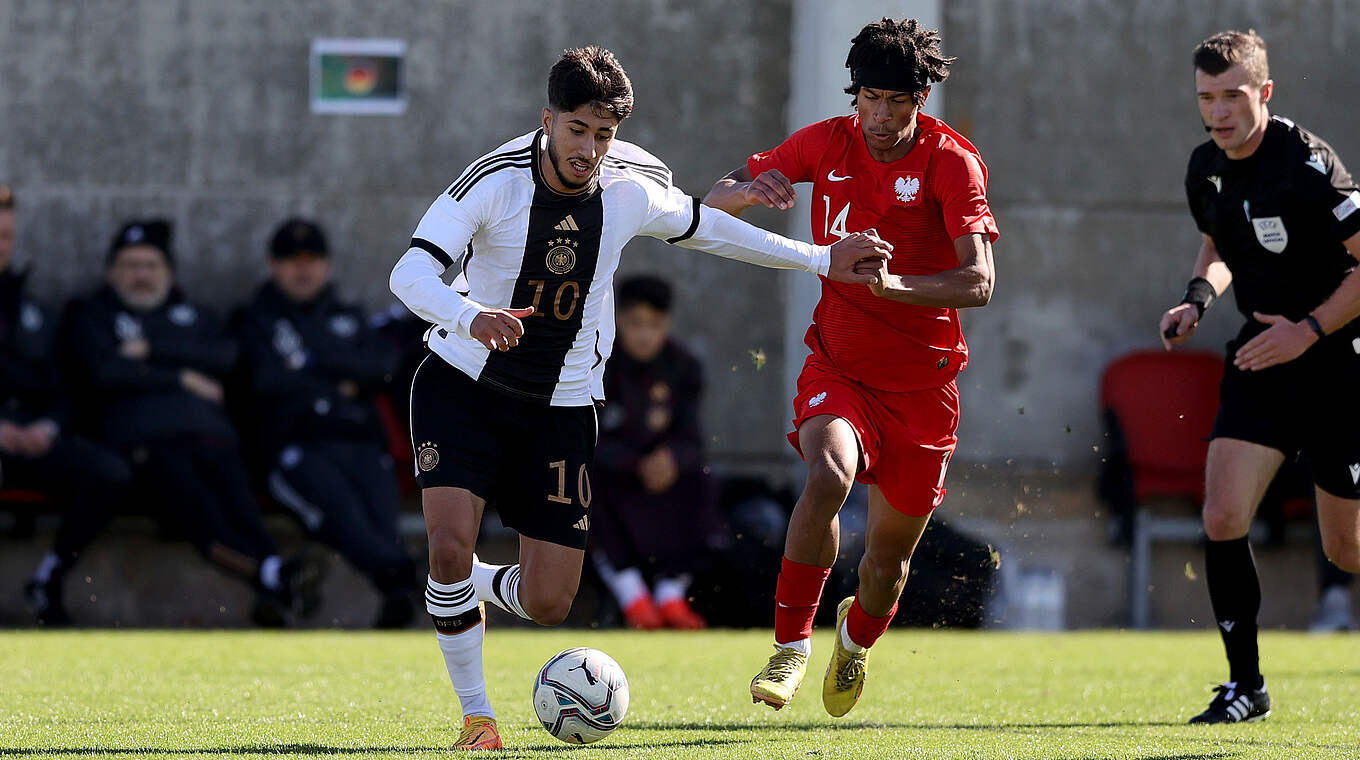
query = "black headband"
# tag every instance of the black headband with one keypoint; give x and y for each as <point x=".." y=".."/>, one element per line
<point x="887" y="77"/>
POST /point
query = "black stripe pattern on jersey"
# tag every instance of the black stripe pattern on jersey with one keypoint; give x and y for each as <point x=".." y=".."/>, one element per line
<point x="693" y="224"/>
<point x="655" y="172"/>
<point x="561" y="250"/>
<point x="438" y="253"/>
<point x="490" y="165"/>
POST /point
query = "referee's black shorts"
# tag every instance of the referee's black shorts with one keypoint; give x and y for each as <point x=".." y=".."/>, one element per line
<point x="1309" y="406"/>
<point x="528" y="460"/>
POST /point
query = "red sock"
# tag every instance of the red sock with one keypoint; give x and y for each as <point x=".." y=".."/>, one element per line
<point x="796" y="597"/>
<point x="865" y="629"/>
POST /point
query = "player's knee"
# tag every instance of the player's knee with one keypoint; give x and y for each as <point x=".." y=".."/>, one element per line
<point x="547" y="609"/>
<point x="828" y="483"/>
<point x="883" y="570"/>
<point x="1343" y="553"/>
<point x="1222" y="523"/>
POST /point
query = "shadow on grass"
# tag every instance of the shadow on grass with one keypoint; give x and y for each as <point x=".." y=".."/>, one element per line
<point x="614" y="745"/>
<point x="843" y="725"/>
<point x="1214" y="756"/>
<point x="246" y="749"/>
<point x="320" y="749"/>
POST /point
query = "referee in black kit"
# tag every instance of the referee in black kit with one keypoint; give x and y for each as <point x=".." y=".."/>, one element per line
<point x="1279" y="219"/>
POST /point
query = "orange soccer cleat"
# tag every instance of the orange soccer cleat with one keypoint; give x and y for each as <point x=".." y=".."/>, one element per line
<point x="479" y="732"/>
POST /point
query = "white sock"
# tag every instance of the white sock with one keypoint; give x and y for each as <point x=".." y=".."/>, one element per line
<point x="802" y="646"/>
<point x="626" y="585"/>
<point x="270" y="571"/>
<point x="668" y="589"/>
<point x="498" y="584"/>
<point x="850" y="646"/>
<point x="48" y="565"/>
<point x="454" y="607"/>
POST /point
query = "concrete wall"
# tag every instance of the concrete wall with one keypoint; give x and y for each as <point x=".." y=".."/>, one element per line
<point x="1085" y="114"/>
<point x="198" y="110"/>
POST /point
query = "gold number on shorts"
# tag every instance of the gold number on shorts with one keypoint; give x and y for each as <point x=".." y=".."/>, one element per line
<point x="561" y="496"/>
<point x="583" y="486"/>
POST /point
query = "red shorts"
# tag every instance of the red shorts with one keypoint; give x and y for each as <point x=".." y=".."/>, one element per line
<point x="905" y="439"/>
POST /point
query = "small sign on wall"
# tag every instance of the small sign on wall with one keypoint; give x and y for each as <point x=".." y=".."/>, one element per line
<point x="358" y="76"/>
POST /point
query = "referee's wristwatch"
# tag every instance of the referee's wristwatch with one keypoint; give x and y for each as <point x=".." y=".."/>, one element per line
<point x="1313" y="324"/>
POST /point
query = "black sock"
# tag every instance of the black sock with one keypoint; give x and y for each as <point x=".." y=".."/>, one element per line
<point x="1235" y="592"/>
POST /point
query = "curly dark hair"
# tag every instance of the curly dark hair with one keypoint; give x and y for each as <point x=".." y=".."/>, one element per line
<point x="590" y="75"/>
<point x="899" y="43"/>
<point x="1218" y="53"/>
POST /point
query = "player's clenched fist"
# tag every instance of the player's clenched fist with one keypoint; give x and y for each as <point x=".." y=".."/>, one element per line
<point x="499" y="329"/>
<point x="770" y="189"/>
<point x="853" y="257"/>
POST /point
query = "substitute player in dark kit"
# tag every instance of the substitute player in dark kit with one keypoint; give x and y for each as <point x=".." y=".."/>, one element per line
<point x="1278" y="214"/>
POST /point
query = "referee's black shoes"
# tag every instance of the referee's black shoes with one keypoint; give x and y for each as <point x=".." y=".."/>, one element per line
<point x="1233" y="705"/>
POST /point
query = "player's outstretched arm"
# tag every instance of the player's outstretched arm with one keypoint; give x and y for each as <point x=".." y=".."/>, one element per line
<point x="739" y="191"/>
<point x="720" y="233"/>
<point x="1211" y="277"/>
<point x="1285" y="341"/>
<point x="969" y="284"/>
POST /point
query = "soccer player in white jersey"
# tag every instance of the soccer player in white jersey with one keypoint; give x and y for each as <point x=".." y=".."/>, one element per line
<point x="503" y="411"/>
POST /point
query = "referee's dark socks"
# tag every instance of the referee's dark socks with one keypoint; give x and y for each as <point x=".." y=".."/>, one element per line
<point x="1235" y="592"/>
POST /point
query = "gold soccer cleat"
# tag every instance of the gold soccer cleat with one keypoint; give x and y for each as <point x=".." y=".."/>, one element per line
<point x="479" y="732"/>
<point x="844" y="679"/>
<point x="776" y="684"/>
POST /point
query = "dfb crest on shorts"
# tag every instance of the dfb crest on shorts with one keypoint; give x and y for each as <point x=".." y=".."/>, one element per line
<point x="428" y="457"/>
<point x="561" y="255"/>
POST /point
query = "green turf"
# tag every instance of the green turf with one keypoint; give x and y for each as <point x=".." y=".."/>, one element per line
<point x="930" y="695"/>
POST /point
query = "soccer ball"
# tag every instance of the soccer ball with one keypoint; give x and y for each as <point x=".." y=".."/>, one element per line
<point x="581" y="695"/>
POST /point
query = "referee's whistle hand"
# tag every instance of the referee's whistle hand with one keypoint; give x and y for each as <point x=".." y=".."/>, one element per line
<point x="1178" y="324"/>
<point x="499" y="329"/>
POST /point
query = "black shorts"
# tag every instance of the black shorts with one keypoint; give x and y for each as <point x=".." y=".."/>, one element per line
<point x="529" y="461"/>
<point x="1307" y="406"/>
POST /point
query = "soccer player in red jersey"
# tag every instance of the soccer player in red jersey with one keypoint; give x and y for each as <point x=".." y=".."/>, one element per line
<point x="877" y="400"/>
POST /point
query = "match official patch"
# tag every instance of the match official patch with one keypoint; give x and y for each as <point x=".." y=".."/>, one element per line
<point x="1348" y="206"/>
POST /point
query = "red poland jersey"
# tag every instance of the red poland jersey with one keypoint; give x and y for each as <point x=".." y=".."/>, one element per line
<point x="920" y="203"/>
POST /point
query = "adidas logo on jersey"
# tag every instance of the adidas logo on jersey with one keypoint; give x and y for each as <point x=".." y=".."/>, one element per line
<point x="567" y="224"/>
<point x="583" y="523"/>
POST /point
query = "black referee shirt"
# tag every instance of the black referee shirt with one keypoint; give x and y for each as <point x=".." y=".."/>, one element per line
<point x="1278" y="218"/>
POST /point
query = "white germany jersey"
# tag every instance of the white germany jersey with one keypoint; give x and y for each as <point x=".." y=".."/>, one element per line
<point x="520" y="244"/>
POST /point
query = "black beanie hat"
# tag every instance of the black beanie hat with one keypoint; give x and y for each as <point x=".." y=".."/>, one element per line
<point x="152" y="232"/>
<point x="296" y="235"/>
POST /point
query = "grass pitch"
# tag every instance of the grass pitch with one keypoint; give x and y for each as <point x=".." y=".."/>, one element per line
<point x="930" y="695"/>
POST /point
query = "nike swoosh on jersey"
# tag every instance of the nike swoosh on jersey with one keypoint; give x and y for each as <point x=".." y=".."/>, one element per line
<point x="831" y="177"/>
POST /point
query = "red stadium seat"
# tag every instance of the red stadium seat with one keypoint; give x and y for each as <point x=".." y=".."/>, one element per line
<point x="1164" y="404"/>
